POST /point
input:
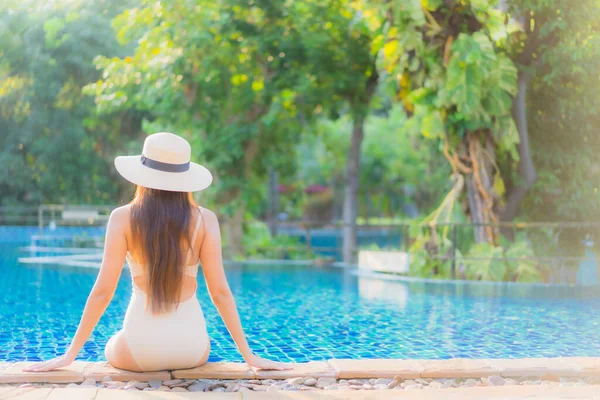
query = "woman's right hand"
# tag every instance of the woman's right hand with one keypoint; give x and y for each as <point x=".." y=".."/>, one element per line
<point x="255" y="362"/>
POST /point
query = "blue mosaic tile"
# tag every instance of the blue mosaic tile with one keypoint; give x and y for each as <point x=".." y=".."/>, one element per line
<point x="293" y="313"/>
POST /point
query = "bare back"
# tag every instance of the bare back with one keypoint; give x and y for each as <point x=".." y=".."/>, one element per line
<point x="189" y="284"/>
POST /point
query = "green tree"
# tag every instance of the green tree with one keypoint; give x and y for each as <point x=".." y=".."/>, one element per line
<point x="556" y="50"/>
<point x="448" y="62"/>
<point x="48" y="148"/>
<point x="225" y="74"/>
<point x="242" y="80"/>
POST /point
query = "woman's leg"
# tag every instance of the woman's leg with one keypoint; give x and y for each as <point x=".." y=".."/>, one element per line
<point x="118" y="354"/>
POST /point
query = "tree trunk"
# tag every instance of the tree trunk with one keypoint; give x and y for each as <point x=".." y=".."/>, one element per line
<point x="480" y="191"/>
<point x="273" y="201"/>
<point x="234" y="234"/>
<point x="475" y="209"/>
<point x="527" y="175"/>
<point x="351" y="190"/>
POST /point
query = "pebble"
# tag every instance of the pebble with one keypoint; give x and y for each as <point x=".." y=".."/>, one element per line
<point x="233" y="388"/>
<point x="182" y="384"/>
<point x="414" y="386"/>
<point x="198" y="387"/>
<point x="393" y="384"/>
<point x="89" y="381"/>
<point x="382" y="381"/>
<point x="155" y="384"/>
<point x="216" y="385"/>
<point x="296" y="381"/>
<point x="449" y="383"/>
<point x="130" y="384"/>
<point x="113" y="384"/>
<point x="324" y="382"/>
<point x="310" y="382"/>
<point x="172" y="382"/>
<point x="436" y="385"/>
<point x="495" y="380"/>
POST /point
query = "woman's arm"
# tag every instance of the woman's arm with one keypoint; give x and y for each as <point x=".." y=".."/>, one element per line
<point x="115" y="250"/>
<point x="211" y="259"/>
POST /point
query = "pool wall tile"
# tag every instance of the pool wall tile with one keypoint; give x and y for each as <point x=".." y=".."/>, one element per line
<point x="99" y="370"/>
<point x="314" y="369"/>
<point x="216" y="370"/>
<point x="375" y="368"/>
<point x="15" y="374"/>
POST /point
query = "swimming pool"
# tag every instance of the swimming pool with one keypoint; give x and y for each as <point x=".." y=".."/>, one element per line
<point x="300" y="313"/>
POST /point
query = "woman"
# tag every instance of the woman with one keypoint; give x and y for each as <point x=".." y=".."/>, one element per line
<point x="163" y="236"/>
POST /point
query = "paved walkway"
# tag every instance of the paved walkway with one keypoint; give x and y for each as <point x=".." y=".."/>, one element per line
<point x="479" y="393"/>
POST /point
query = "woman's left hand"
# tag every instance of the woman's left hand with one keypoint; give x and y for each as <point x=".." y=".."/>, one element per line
<point x="55" y="363"/>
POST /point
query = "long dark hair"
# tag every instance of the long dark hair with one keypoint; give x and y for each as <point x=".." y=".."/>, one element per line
<point x="160" y="222"/>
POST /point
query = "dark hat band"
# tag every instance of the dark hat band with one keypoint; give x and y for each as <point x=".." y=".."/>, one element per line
<point x="165" y="167"/>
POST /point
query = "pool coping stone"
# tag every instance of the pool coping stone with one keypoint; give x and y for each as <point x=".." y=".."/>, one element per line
<point x="334" y="368"/>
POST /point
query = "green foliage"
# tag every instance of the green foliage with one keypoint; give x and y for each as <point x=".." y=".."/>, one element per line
<point x="395" y="163"/>
<point x="259" y="244"/>
<point x="563" y="108"/>
<point x="430" y="258"/>
<point x="432" y="253"/>
<point x="49" y="154"/>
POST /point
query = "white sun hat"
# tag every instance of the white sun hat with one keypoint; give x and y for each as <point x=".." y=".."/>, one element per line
<point x="164" y="164"/>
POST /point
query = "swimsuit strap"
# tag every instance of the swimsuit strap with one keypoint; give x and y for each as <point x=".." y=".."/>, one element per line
<point x="196" y="229"/>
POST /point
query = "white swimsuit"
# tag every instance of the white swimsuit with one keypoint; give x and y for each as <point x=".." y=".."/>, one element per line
<point x="175" y="340"/>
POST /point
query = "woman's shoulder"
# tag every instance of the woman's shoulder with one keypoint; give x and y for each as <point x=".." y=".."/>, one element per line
<point x="209" y="216"/>
<point x="121" y="212"/>
<point x="120" y="216"/>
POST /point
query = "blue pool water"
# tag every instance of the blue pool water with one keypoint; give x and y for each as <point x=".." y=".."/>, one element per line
<point x="298" y="313"/>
